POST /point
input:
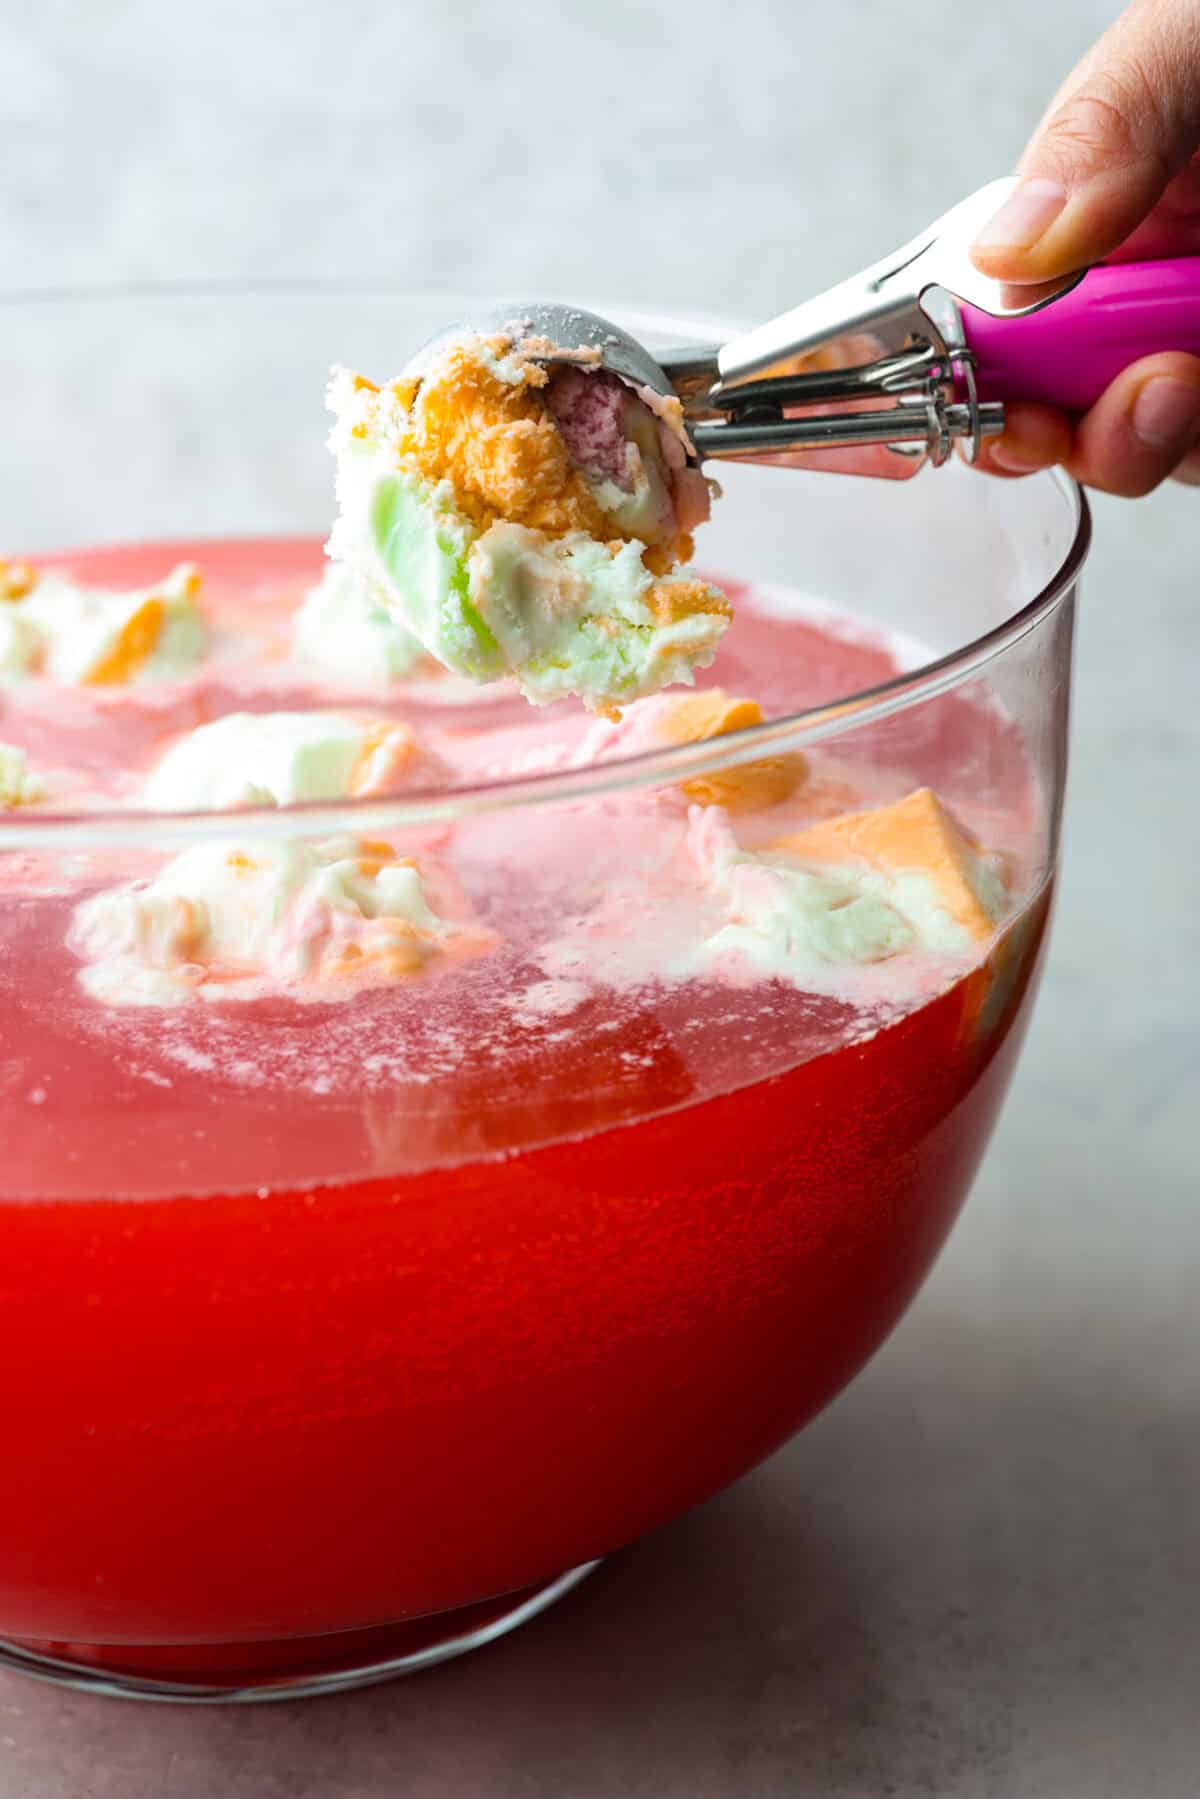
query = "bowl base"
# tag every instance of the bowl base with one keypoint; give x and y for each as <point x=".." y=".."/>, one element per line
<point x="289" y="1668"/>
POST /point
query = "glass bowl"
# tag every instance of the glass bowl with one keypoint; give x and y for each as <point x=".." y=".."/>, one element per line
<point x="335" y="1340"/>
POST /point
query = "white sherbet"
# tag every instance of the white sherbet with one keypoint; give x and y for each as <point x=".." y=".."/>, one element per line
<point x="20" y="642"/>
<point x="228" y="918"/>
<point x="344" y="626"/>
<point x="276" y="759"/>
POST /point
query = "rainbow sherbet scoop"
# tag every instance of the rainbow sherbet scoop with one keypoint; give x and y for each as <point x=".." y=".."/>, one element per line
<point x="525" y="511"/>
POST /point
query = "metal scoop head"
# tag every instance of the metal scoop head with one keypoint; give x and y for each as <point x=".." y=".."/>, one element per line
<point x="576" y="336"/>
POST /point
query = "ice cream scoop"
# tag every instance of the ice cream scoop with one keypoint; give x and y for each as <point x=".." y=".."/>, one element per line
<point x="886" y="369"/>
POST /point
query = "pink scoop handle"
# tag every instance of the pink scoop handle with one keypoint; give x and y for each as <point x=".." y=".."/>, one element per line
<point x="1067" y="354"/>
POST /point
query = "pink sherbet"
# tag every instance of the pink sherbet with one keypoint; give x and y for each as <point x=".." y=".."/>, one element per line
<point x="589" y="412"/>
<point x="612" y="433"/>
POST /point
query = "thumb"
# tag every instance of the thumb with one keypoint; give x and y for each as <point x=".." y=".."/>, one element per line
<point x="1121" y="126"/>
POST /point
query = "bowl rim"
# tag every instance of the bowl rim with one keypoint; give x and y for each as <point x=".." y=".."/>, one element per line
<point x="22" y="829"/>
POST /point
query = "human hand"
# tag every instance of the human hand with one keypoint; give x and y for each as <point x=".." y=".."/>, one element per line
<point x="1111" y="173"/>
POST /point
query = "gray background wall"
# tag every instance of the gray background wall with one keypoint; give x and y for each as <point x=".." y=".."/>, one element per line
<point x="977" y="1574"/>
<point x="742" y="149"/>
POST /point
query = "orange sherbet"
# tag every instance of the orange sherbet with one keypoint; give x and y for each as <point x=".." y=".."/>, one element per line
<point x="135" y="642"/>
<point x="16" y="579"/>
<point x="697" y="717"/>
<point x="497" y="444"/>
<point x="389" y="752"/>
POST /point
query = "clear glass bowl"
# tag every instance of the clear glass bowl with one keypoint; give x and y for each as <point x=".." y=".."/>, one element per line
<point x="321" y="1361"/>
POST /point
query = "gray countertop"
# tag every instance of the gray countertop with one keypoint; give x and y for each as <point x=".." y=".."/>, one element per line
<point x="977" y="1574"/>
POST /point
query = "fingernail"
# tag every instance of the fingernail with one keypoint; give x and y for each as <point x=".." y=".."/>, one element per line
<point x="1166" y="413"/>
<point x="1011" y="458"/>
<point x="1026" y="216"/>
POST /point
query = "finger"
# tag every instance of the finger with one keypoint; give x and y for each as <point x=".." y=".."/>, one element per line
<point x="1173" y="228"/>
<point x="1034" y="437"/>
<point x="1142" y="427"/>
<point x="1125" y="123"/>
<point x="1188" y="471"/>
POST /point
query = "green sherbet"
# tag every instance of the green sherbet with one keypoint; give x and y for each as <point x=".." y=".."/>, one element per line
<point x="421" y="547"/>
<point x="561" y="616"/>
<point x="572" y="618"/>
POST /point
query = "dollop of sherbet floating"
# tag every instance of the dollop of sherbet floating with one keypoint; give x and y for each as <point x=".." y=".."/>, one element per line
<point x="242" y="919"/>
<point x="283" y="758"/>
<point x="668" y="719"/>
<point x="527" y="518"/>
<point x="18" y="787"/>
<point x="343" y="627"/>
<point x="859" y="888"/>
<point x="89" y="636"/>
<point x="893" y="892"/>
